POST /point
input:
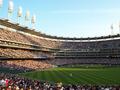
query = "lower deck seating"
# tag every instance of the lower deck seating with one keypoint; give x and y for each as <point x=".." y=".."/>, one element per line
<point x="26" y="64"/>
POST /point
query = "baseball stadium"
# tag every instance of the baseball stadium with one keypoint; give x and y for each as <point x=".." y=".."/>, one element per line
<point x="32" y="60"/>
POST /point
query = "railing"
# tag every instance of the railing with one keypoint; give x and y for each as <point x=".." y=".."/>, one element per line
<point x="39" y="58"/>
<point x="25" y="46"/>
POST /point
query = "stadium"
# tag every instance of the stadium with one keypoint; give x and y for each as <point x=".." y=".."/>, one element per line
<point x="31" y="60"/>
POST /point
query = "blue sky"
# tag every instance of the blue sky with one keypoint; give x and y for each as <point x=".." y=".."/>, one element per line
<point x="70" y="18"/>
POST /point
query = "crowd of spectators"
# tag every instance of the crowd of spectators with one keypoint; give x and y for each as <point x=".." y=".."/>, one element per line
<point x="25" y="65"/>
<point x="24" y="40"/>
<point x="15" y="82"/>
<point x="18" y="53"/>
<point x="13" y="53"/>
<point x="8" y="34"/>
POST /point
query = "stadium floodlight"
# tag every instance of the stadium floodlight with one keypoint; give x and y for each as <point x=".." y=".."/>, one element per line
<point x="112" y="33"/>
<point x="1" y="3"/>
<point x="27" y="16"/>
<point x="10" y="8"/>
<point x="33" y="21"/>
<point x="19" y="14"/>
<point x="20" y="11"/>
<point x="119" y="27"/>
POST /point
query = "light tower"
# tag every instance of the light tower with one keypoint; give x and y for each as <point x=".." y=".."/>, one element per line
<point x="19" y="14"/>
<point x="119" y="27"/>
<point x="27" y="16"/>
<point x="10" y="8"/>
<point x="1" y="3"/>
<point x="112" y="33"/>
<point x="33" y="21"/>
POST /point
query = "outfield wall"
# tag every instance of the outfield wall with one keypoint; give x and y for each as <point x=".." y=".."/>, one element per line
<point x="86" y="61"/>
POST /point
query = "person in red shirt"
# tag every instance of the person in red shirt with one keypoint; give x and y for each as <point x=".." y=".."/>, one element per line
<point x="6" y="82"/>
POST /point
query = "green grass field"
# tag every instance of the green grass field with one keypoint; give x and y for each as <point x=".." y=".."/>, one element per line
<point x="94" y="76"/>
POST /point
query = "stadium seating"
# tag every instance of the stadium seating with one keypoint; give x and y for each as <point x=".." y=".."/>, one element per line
<point x="18" y="44"/>
<point x="15" y="44"/>
<point x="12" y="82"/>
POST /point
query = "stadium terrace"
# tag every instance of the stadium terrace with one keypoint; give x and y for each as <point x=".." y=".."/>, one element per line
<point x="31" y="60"/>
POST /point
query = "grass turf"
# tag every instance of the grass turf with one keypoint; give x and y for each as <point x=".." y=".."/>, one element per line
<point x="94" y="76"/>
